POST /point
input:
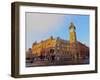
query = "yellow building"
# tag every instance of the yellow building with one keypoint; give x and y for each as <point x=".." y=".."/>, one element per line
<point x="60" y="47"/>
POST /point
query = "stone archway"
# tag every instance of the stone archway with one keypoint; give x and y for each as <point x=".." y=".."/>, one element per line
<point x="51" y="51"/>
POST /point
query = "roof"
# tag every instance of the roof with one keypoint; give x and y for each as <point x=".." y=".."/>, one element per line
<point x="72" y="25"/>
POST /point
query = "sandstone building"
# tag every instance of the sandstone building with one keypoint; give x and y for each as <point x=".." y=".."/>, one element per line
<point x="62" y="48"/>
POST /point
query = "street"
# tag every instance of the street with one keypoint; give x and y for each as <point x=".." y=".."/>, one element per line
<point x="56" y="63"/>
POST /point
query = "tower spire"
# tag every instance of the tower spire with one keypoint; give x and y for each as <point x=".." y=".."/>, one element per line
<point x="72" y="33"/>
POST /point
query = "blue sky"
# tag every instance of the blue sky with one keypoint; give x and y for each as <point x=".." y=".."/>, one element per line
<point x="40" y="26"/>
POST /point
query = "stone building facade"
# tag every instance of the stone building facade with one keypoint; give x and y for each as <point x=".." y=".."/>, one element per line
<point x="62" y="48"/>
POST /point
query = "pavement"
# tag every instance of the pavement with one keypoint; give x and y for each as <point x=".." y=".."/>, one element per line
<point x="56" y="63"/>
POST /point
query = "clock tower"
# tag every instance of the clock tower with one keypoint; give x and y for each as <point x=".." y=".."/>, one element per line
<point x="72" y="33"/>
<point x="73" y="42"/>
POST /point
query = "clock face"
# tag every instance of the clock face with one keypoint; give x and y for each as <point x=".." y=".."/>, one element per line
<point x="72" y="29"/>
